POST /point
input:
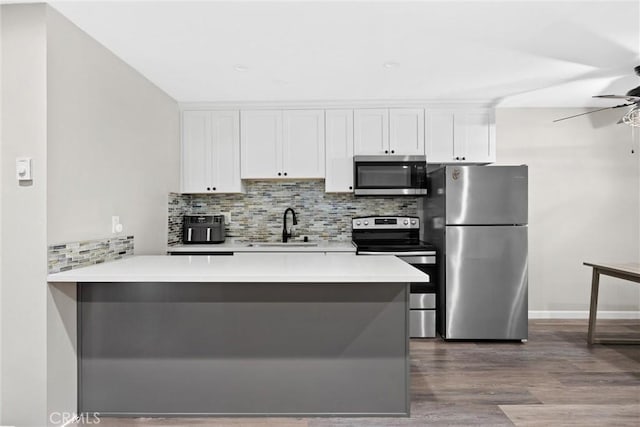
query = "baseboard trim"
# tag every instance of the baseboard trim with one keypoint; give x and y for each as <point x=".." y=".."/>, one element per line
<point x="582" y="314"/>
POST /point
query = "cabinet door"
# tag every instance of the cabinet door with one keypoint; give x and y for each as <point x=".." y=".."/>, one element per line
<point x="371" y="131"/>
<point x="303" y="143"/>
<point x="474" y="135"/>
<point x="339" y="151"/>
<point x="225" y="138"/>
<point x="439" y="129"/>
<point x="196" y="152"/>
<point x="406" y="131"/>
<point x="261" y="144"/>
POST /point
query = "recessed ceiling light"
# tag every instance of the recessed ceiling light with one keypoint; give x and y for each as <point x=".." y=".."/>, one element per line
<point x="391" y="64"/>
<point x="241" y="68"/>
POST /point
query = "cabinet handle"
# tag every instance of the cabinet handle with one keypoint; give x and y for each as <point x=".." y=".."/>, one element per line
<point x="350" y="187"/>
<point x="464" y="158"/>
<point x="279" y="174"/>
<point x="214" y="188"/>
<point x="285" y="174"/>
<point x="457" y="158"/>
<point x="386" y="151"/>
<point x="208" y="188"/>
<point x="392" y="151"/>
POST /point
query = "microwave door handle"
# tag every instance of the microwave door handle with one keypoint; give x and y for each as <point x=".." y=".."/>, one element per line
<point x="208" y="234"/>
<point x="189" y="233"/>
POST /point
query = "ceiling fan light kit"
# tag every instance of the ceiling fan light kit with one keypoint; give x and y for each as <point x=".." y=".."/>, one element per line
<point x="632" y="117"/>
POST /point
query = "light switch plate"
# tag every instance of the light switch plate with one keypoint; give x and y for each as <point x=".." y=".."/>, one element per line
<point x="23" y="169"/>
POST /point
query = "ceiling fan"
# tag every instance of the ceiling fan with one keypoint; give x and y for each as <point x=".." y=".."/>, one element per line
<point x="632" y="117"/>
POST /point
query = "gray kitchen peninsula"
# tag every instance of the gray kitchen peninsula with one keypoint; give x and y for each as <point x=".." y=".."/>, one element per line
<point x="249" y="334"/>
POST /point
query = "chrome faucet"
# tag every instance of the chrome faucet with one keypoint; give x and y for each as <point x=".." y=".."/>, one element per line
<point x="287" y="234"/>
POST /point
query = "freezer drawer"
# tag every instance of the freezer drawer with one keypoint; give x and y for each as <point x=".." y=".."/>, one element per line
<point x="486" y="283"/>
<point x="422" y="323"/>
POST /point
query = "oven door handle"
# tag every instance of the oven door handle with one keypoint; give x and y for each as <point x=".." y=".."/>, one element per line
<point x="419" y="260"/>
<point x="400" y="254"/>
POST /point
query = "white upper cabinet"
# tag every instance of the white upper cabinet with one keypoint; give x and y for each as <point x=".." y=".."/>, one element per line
<point x="220" y="148"/>
<point x="371" y="131"/>
<point x="397" y="131"/>
<point x="339" y="151"/>
<point x="406" y="131"/>
<point x="440" y="147"/>
<point x="196" y="151"/>
<point x="282" y="144"/>
<point x="460" y="136"/>
<point x="303" y="143"/>
<point x="474" y="134"/>
<point x="261" y="143"/>
<point x="210" y="152"/>
<point x="225" y="130"/>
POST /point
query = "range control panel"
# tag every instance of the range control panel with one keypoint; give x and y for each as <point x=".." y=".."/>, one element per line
<point x="385" y="222"/>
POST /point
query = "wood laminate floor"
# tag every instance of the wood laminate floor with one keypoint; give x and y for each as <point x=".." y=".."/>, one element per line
<point x="553" y="379"/>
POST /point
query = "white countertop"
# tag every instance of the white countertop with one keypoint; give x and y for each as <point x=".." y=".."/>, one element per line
<point x="242" y="245"/>
<point x="249" y="267"/>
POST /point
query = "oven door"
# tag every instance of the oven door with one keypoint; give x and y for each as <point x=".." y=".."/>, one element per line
<point x="389" y="175"/>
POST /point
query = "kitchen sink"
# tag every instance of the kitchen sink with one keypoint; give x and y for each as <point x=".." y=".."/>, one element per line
<point x="280" y="244"/>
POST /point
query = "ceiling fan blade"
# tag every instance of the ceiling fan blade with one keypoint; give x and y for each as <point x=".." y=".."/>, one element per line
<point x="617" y="75"/>
<point x="593" y="111"/>
<point x="635" y="92"/>
<point x="620" y="84"/>
<point x="632" y="99"/>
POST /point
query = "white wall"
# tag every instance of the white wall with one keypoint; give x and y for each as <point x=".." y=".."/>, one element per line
<point x="584" y="203"/>
<point x="1" y="181"/>
<point x="113" y="142"/>
<point x="23" y="266"/>
<point x="104" y="141"/>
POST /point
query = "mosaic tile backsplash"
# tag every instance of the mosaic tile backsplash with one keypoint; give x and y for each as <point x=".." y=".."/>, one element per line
<point x="178" y="206"/>
<point x="68" y="256"/>
<point x="257" y="215"/>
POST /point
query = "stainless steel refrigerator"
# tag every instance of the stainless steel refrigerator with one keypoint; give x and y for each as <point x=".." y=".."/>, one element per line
<point x="477" y="218"/>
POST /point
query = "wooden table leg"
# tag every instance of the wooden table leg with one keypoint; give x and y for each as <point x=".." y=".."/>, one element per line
<point x="593" y="309"/>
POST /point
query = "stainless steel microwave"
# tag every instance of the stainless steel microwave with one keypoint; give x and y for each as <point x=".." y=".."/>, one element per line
<point x="390" y="175"/>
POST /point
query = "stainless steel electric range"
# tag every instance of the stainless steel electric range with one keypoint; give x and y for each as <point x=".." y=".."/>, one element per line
<point x="400" y="236"/>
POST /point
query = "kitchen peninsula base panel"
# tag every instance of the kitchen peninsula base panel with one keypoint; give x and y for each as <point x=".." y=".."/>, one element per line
<point x="158" y="349"/>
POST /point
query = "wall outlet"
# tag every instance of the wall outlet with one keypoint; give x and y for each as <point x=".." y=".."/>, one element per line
<point x="116" y="227"/>
<point x="227" y="217"/>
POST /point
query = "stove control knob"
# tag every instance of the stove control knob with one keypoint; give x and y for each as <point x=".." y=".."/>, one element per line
<point x="406" y="222"/>
<point x="357" y="222"/>
<point x="413" y="222"/>
<point x="366" y="223"/>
